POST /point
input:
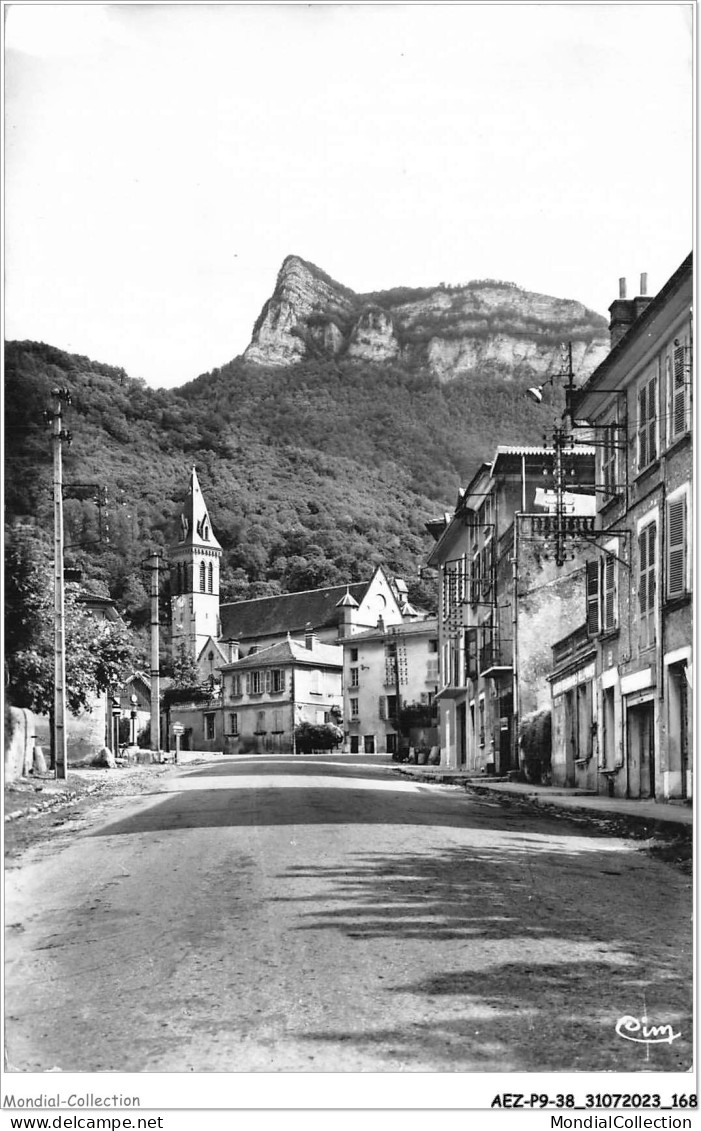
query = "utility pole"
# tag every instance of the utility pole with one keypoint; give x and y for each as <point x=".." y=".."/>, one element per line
<point x="153" y="563"/>
<point x="59" y="436"/>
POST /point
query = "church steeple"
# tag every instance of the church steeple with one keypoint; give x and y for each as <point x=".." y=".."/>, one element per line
<point x="195" y="527"/>
<point x="194" y="575"/>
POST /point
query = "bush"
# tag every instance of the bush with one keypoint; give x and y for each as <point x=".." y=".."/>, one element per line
<point x="309" y="737"/>
<point x="535" y="734"/>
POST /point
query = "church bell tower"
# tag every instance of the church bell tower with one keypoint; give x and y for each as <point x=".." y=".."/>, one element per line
<point x="194" y="576"/>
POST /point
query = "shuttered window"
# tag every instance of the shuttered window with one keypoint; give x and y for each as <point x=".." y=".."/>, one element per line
<point x="592" y="597"/>
<point x="678" y="418"/>
<point x="608" y="605"/>
<point x="676" y="547"/>
<point x="647" y="583"/>
<point x="647" y="423"/>
<point x="210" y="578"/>
<point x="471" y="653"/>
<point x="381" y="708"/>
<point x="609" y="469"/>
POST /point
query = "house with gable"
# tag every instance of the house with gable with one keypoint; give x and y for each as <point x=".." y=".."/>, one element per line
<point x="331" y="612"/>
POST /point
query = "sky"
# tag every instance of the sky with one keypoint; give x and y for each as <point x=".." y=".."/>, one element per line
<point x="161" y="160"/>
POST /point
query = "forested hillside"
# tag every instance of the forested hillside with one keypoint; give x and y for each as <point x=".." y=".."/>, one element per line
<point x="312" y="474"/>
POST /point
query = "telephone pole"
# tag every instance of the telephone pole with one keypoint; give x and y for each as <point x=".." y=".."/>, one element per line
<point x="153" y="563"/>
<point x="59" y="436"/>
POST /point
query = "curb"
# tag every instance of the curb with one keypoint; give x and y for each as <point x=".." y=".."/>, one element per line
<point x="584" y="814"/>
<point x="53" y="803"/>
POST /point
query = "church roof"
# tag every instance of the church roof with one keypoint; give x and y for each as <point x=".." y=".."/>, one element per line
<point x="288" y="612"/>
<point x="195" y="528"/>
<point x="347" y="601"/>
<point x="290" y="652"/>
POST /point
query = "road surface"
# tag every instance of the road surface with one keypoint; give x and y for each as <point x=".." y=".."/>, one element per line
<point x="325" y="914"/>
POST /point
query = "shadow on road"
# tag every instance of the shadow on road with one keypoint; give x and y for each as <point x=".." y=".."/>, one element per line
<point x="268" y="805"/>
<point x="557" y="948"/>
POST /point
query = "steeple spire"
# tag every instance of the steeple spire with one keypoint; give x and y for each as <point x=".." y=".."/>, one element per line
<point x="194" y="575"/>
<point x="195" y="527"/>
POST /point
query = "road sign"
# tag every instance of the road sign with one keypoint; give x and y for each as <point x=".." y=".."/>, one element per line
<point x="178" y="728"/>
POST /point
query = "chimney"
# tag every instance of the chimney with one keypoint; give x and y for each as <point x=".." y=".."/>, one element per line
<point x="310" y="638"/>
<point x="643" y="300"/>
<point x="625" y="311"/>
<point x="622" y="315"/>
<point x="233" y="647"/>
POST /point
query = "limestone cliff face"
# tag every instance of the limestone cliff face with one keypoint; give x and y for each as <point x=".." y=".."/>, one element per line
<point x="451" y="330"/>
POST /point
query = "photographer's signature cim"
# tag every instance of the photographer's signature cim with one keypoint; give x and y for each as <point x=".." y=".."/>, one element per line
<point x="633" y="1029"/>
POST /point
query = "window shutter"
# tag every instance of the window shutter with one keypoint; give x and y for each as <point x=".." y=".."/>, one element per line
<point x="652" y="418"/>
<point x="592" y="598"/>
<point x="268" y="681"/>
<point x="642" y="428"/>
<point x="609" y="617"/>
<point x="647" y="583"/>
<point x="642" y="584"/>
<point x="381" y="708"/>
<point x="678" y="393"/>
<point x="248" y="683"/>
<point x="471" y="653"/>
<point x="476" y="579"/>
<point x="651" y="567"/>
<point x="676" y="547"/>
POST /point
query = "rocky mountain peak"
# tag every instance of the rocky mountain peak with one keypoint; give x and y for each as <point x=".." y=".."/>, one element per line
<point x="484" y="324"/>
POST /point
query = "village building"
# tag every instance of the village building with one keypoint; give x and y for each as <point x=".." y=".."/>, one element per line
<point x="626" y="670"/>
<point x="510" y="570"/>
<point x="218" y="636"/>
<point x="268" y="694"/>
<point x="204" y="626"/>
<point x="134" y="698"/>
<point x="387" y="669"/>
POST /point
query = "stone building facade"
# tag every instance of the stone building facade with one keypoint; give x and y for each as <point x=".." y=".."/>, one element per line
<point x="504" y="599"/>
<point x="638" y="404"/>
<point x="384" y="670"/>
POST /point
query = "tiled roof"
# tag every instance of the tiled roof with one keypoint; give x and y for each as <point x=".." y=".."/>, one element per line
<point x="288" y="612"/>
<point x="290" y="652"/>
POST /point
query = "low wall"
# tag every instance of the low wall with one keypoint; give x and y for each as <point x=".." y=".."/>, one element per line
<point x="24" y="729"/>
<point x="20" y="729"/>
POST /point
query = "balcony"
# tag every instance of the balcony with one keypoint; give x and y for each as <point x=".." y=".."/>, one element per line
<point x="495" y="659"/>
<point x="571" y="525"/>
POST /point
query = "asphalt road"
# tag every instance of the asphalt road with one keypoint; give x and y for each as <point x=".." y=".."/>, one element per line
<point x="325" y="914"/>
